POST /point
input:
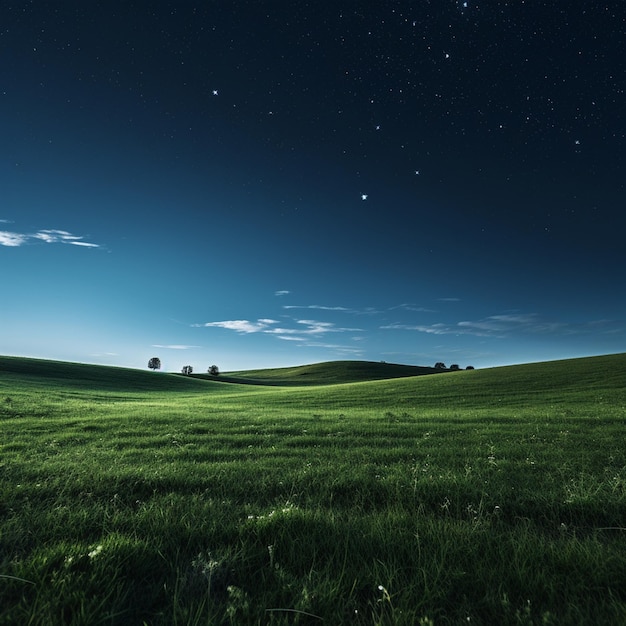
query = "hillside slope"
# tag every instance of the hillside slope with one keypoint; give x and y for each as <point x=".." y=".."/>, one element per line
<point x="40" y="372"/>
<point x="327" y="373"/>
<point x="592" y="380"/>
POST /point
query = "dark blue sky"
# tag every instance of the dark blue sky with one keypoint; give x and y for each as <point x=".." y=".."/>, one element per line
<point x="272" y="183"/>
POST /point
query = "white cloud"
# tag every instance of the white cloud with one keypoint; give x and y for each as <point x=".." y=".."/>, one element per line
<point x="240" y="326"/>
<point x="303" y="328"/>
<point x="62" y="236"/>
<point x="84" y="244"/>
<point x="54" y="236"/>
<point x="312" y="327"/>
<point x="13" y="239"/>
<point x="282" y="292"/>
<point x="318" y="307"/>
<point x="316" y="328"/>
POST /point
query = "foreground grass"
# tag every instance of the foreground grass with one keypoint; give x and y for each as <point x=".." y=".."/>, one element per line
<point x="484" y="497"/>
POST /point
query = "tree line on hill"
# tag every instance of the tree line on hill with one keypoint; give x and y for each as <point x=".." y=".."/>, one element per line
<point x="155" y="364"/>
<point x="453" y="368"/>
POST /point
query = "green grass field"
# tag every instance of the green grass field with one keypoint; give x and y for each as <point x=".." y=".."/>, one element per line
<point x="475" y="497"/>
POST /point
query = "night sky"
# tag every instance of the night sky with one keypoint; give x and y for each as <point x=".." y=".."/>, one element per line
<point x="264" y="184"/>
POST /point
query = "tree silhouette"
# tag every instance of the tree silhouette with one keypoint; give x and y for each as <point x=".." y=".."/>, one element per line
<point x="214" y="370"/>
<point x="440" y="366"/>
<point x="187" y="369"/>
<point x="154" y="363"/>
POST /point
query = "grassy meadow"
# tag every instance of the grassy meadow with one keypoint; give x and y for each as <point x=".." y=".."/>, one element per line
<point x="475" y="497"/>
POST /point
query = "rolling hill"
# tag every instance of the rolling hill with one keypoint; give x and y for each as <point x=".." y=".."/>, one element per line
<point x="327" y="373"/>
<point x="342" y="381"/>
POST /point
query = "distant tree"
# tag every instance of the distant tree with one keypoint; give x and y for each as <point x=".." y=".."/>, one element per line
<point x="187" y="369"/>
<point x="440" y="366"/>
<point x="154" y="363"/>
<point x="469" y="367"/>
<point x="454" y="367"/>
<point x="214" y="370"/>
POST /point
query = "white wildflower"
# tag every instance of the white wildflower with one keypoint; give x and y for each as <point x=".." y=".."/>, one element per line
<point x="95" y="552"/>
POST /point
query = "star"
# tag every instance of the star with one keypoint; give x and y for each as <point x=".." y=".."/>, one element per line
<point x="417" y="172"/>
<point x="363" y="196"/>
<point x="216" y="92"/>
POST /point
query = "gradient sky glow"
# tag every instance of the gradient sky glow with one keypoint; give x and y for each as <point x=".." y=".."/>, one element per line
<point x="264" y="184"/>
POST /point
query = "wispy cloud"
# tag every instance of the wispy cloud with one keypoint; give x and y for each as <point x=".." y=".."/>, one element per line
<point x="54" y="236"/>
<point x="240" y="326"/>
<point x="173" y="346"/>
<point x="504" y="325"/>
<point x="412" y="307"/>
<point x="84" y="244"/>
<point x="433" y="329"/>
<point x="14" y="240"/>
<point x="282" y="292"/>
<point x="310" y="327"/>
<point x="362" y="311"/>
<point x="301" y="330"/>
<point x="493" y="326"/>
<point x="332" y="309"/>
<point x="317" y="307"/>
<point x="500" y="326"/>
<point x="338" y="348"/>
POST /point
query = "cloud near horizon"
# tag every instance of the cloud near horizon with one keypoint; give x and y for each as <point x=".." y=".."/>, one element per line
<point x="305" y="329"/>
<point x="241" y="326"/>
<point x="500" y="326"/>
<point x="14" y="240"/>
